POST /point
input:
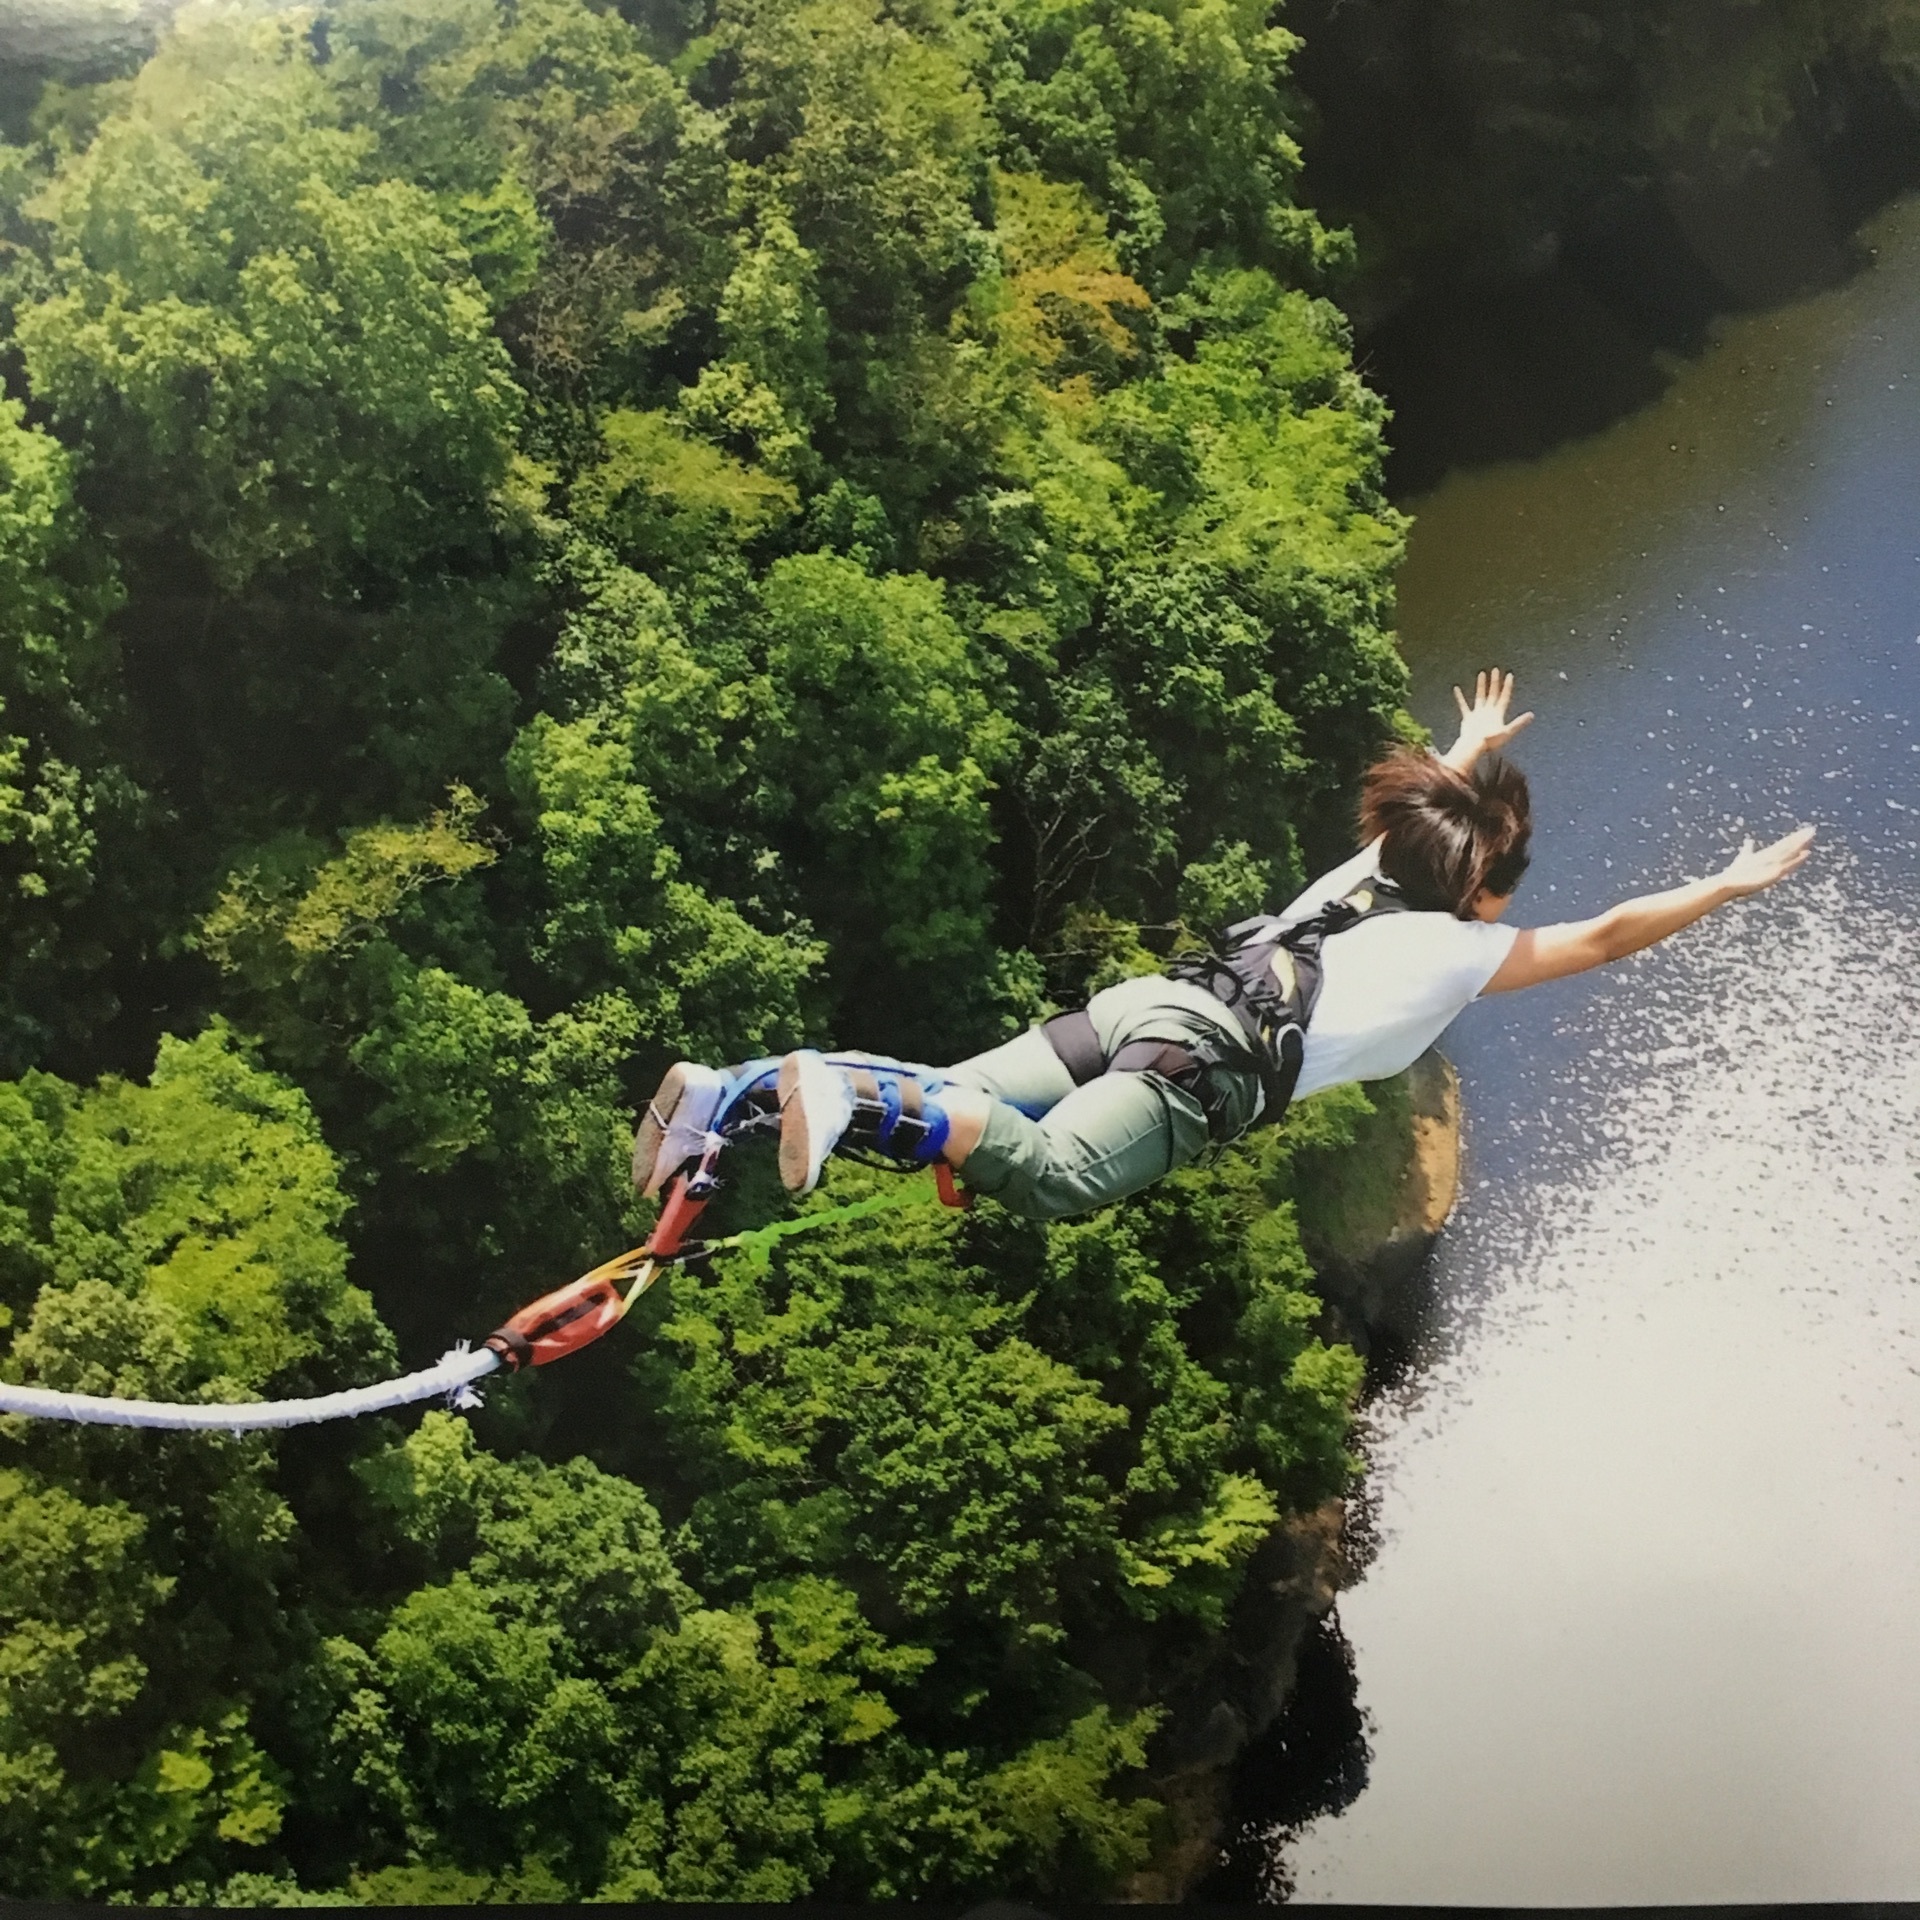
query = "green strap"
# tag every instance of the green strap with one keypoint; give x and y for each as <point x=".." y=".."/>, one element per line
<point x="758" y="1243"/>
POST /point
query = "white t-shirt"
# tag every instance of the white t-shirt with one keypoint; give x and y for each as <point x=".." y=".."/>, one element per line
<point x="1389" y="987"/>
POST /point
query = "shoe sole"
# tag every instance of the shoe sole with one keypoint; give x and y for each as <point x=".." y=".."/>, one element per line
<point x="655" y="1119"/>
<point x="798" y="1171"/>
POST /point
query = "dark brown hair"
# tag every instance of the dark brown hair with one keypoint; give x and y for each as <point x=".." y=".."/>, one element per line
<point x="1447" y="834"/>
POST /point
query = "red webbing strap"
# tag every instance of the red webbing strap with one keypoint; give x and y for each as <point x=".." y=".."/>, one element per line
<point x="559" y="1323"/>
<point x="678" y="1218"/>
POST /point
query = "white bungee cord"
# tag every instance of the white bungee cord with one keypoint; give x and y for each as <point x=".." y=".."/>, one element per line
<point x="556" y="1324"/>
<point x="451" y="1377"/>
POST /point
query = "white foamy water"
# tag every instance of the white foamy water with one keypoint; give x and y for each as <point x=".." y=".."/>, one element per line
<point x="1644" y="1625"/>
<point x="1661" y="1503"/>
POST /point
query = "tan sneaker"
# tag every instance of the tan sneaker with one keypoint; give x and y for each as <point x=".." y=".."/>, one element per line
<point x="673" y="1129"/>
<point x="816" y="1102"/>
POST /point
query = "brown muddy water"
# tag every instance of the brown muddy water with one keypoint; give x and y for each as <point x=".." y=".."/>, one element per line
<point x="1644" y="1620"/>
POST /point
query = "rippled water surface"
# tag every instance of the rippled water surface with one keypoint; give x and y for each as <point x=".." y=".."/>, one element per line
<point x="1644" y="1625"/>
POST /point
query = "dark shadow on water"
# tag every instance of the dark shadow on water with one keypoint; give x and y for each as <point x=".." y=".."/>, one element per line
<point x="1311" y="1762"/>
<point x="1389" y="1323"/>
<point x="1485" y="369"/>
<point x="1518" y="291"/>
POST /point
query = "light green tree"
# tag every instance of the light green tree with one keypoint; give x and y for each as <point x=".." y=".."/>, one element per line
<point x="173" y="1241"/>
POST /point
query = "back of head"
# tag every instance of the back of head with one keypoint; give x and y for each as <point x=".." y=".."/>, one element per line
<point x="1446" y="834"/>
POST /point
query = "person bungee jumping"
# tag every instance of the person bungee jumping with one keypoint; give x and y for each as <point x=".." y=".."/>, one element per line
<point x="1354" y="980"/>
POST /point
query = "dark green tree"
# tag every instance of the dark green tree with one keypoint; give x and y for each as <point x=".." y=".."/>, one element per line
<point x="536" y="539"/>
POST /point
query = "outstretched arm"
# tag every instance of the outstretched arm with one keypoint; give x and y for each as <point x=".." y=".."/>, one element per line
<point x="1484" y="726"/>
<point x="1551" y="953"/>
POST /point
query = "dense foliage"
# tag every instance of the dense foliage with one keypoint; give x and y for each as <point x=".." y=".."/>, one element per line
<point x="535" y="538"/>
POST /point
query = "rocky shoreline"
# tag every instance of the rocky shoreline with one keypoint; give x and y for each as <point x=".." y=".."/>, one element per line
<point x="1375" y="1296"/>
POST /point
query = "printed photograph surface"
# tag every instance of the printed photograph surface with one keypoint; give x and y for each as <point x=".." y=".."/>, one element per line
<point x="959" y="950"/>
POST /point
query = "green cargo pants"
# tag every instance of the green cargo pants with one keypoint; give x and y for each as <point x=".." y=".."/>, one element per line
<point x="1052" y="1149"/>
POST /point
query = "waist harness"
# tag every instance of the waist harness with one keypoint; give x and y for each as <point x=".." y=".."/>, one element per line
<point x="1267" y="975"/>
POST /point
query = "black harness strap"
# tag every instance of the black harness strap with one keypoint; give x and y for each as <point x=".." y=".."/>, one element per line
<point x="1171" y="1060"/>
<point x="1072" y="1037"/>
<point x="1267" y="975"/>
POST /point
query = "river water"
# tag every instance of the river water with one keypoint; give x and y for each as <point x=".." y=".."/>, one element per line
<point x="1644" y="1621"/>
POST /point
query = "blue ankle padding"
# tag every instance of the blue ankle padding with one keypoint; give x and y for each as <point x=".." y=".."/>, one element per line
<point x="890" y="1104"/>
<point x="888" y="1074"/>
<point x="934" y="1116"/>
<point x="759" y="1075"/>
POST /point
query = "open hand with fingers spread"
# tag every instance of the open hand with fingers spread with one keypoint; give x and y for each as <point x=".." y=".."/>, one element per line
<point x="1755" y="869"/>
<point x="1484" y="726"/>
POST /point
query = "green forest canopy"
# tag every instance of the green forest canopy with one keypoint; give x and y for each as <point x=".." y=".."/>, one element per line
<point x="535" y="538"/>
